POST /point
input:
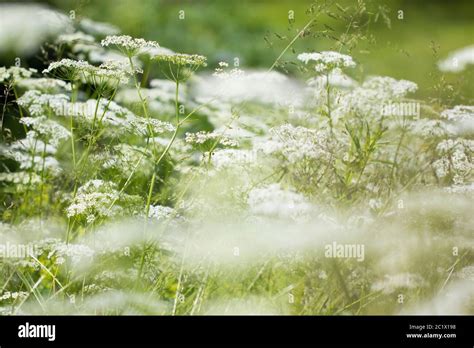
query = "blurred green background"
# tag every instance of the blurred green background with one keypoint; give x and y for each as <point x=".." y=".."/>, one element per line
<point x="257" y="31"/>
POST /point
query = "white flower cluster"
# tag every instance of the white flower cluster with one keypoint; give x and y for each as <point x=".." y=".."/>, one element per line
<point x="39" y="104"/>
<point x="458" y="60"/>
<point x="182" y="59"/>
<point x="161" y="213"/>
<point x="296" y="143"/>
<point x="14" y="74"/>
<point x="429" y="129"/>
<point x="369" y="98"/>
<point x="459" y="113"/>
<point x="273" y="201"/>
<point x="99" y="199"/>
<point x="460" y="119"/>
<point x="47" y="130"/>
<point x="456" y="160"/>
<point x="148" y="127"/>
<point x="208" y="139"/>
<point x="389" y="87"/>
<point x="32" y="153"/>
<point x="124" y="159"/>
<point x="327" y="61"/>
<point x="128" y="45"/>
<point x="109" y="72"/>
<point x="67" y="67"/>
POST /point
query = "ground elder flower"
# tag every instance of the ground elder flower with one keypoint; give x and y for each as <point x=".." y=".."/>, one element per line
<point x="160" y="212"/>
<point x="296" y="143"/>
<point x="390" y="87"/>
<point x="461" y="117"/>
<point x="182" y="59"/>
<point x="128" y="45"/>
<point x="124" y="158"/>
<point x="428" y="129"/>
<point x="204" y="141"/>
<point x="327" y="61"/>
<point x="110" y="72"/>
<point x="456" y="160"/>
<point x="68" y="69"/>
<point x="15" y="74"/>
<point x="178" y="67"/>
<point x="100" y="199"/>
<point x="32" y="153"/>
<point x="49" y="131"/>
<point x="39" y="104"/>
<point x="459" y="112"/>
<point x="148" y="127"/>
<point x="368" y="99"/>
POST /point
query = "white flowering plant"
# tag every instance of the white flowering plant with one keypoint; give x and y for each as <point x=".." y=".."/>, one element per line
<point x="154" y="182"/>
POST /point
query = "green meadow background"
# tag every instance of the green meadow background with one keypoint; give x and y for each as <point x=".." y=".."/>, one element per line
<point x="257" y="31"/>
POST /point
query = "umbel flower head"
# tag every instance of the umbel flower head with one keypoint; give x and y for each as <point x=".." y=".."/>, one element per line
<point x="327" y="61"/>
<point x="205" y="141"/>
<point x="182" y="59"/>
<point x="110" y="72"/>
<point x="128" y="45"/>
<point x="68" y="69"/>
<point x="180" y="65"/>
<point x="14" y="74"/>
